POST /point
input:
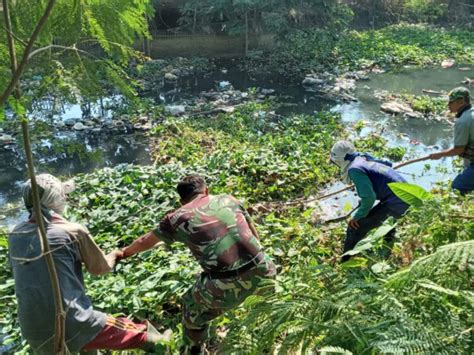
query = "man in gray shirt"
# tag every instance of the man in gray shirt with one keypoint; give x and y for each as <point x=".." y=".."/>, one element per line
<point x="460" y="104"/>
<point x="71" y="246"/>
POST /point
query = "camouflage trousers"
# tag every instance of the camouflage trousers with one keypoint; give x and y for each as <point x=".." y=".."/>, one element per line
<point x="209" y="298"/>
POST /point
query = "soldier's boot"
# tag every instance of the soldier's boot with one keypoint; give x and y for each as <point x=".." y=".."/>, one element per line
<point x="154" y="337"/>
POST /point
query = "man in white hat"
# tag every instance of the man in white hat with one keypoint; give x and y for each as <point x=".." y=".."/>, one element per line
<point x="371" y="177"/>
<point x="72" y="246"/>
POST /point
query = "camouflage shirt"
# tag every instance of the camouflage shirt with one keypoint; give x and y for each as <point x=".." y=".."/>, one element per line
<point x="216" y="230"/>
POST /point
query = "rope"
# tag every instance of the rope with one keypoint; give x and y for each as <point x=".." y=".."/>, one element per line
<point x="28" y="260"/>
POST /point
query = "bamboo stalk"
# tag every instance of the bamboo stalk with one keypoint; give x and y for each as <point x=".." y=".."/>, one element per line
<point x="59" y="326"/>
<point x="60" y="317"/>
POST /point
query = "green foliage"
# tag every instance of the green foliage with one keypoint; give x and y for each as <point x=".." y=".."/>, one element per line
<point x="404" y="44"/>
<point x="425" y="104"/>
<point x="425" y="10"/>
<point x="443" y="220"/>
<point x="82" y="51"/>
<point x="376" y="143"/>
<point x="457" y="260"/>
<point x="411" y="194"/>
<point x="370" y="305"/>
<point x="268" y="15"/>
<point x="269" y="157"/>
<point x="318" y="306"/>
<point x="303" y="51"/>
<point x="9" y="330"/>
<point x="370" y="242"/>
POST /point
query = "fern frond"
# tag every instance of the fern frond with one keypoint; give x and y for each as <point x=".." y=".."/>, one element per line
<point x="455" y="260"/>
<point x="334" y="350"/>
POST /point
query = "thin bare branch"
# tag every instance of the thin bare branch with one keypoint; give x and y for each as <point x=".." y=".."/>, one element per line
<point x="24" y="61"/>
<point x="13" y="35"/>
<point x="51" y="46"/>
<point x="322" y="197"/>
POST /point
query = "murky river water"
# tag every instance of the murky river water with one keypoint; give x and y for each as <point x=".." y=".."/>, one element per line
<point x="84" y="152"/>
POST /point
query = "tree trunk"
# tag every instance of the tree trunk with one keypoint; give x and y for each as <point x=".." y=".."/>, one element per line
<point x="195" y="18"/>
<point x="246" y="33"/>
<point x="374" y="9"/>
<point x="59" y="326"/>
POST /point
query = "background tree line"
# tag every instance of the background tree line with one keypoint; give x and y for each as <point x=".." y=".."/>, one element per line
<point x="280" y="16"/>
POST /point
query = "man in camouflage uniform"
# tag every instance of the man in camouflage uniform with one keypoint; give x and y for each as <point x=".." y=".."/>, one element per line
<point x="221" y="236"/>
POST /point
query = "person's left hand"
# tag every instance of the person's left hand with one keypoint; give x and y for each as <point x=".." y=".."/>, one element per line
<point x="354" y="224"/>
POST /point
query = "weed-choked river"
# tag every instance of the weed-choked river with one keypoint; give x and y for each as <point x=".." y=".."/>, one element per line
<point x="76" y="152"/>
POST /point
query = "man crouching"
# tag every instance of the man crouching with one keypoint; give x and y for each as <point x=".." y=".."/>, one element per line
<point x="221" y="236"/>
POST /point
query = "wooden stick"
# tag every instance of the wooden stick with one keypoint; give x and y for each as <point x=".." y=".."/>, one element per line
<point x="301" y="201"/>
<point x="341" y="218"/>
<point x="413" y="161"/>
<point x="17" y="70"/>
<point x="432" y="92"/>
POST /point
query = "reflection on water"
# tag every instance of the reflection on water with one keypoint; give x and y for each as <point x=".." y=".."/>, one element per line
<point x="419" y="136"/>
<point x="67" y="154"/>
<point x="71" y="153"/>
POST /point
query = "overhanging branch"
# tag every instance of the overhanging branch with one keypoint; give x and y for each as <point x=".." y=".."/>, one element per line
<point x="13" y="35"/>
<point x="24" y="61"/>
<point x="51" y="46"/>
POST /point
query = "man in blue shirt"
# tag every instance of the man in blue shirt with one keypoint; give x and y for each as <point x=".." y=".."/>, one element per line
<point x="371" y="178"/>
<point x="460" y="104"/>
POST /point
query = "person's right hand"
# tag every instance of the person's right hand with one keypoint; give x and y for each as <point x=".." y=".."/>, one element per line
<point x="354" y="224"/>
<point x="119" y="255"/>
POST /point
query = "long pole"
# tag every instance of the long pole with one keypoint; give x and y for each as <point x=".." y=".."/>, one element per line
<point x="59" y="329"/>
<point x="322" y="197"/>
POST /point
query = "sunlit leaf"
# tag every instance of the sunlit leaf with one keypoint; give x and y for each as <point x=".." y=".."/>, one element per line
<point x="355" y="262"/>
<point x="411" y="194"/>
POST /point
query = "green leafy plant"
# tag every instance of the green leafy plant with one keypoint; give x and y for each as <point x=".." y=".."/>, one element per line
<point x="370" y="304"/>
<point x="299" y="51"/>
<point x="411" y="194"/>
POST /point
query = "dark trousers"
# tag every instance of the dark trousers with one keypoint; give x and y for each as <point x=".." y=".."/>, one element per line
<point x="464" y="182"/>
<point x="374" y="219"/>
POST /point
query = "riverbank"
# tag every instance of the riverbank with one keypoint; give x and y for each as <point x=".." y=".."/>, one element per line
<point x="326" y="64"/>
<point x="315" y="51"/>
<point x="260" y="156"/>
<point x="251" y="138"/>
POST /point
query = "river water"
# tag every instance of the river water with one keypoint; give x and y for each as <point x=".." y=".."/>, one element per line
<point x="83" y="152"/>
